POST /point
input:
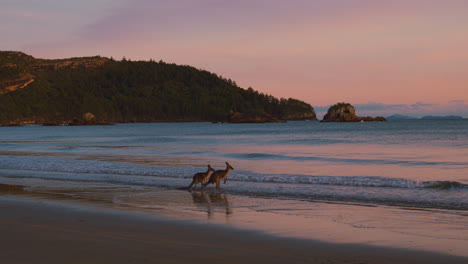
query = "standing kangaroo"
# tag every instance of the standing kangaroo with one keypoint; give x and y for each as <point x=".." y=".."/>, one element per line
<point x="201" y="177"/>
<point x="218" y="175"/>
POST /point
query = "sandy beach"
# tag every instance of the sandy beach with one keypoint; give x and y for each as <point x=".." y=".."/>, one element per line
<point x="42" y="231"/>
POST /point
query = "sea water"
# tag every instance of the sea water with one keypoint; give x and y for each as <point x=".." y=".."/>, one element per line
<point x="417" y="163"/>
<point x="413" y="169"/>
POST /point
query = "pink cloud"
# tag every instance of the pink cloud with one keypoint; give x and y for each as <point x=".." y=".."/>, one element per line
<point x="319" y="51"/>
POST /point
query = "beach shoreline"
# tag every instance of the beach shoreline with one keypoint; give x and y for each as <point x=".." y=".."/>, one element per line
<point x="44" y="231"/>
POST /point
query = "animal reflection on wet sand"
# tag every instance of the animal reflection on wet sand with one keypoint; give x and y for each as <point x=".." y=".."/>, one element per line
<point x="212" y="202"/>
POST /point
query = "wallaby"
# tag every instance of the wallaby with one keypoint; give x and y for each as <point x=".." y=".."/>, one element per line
<point x="218" y="175"/>
<point x="201" y="177"/>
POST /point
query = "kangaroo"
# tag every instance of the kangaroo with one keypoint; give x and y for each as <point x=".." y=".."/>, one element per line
<point x="218" y="175"/>
<point x="201" y="177"/>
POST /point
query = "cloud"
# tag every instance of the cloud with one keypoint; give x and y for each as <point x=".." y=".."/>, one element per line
<point x="374" y="106"/>
<point x="456" y="101"/>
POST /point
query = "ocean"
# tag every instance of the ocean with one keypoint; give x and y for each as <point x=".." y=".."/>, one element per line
<point x="404" y="176"/>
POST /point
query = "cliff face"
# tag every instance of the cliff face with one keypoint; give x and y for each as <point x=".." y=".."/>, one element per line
<point x="18" y="70"/>
<point x="344" y="112"/>
<point x="15" y="60"/>
<point x="13" y="85"/>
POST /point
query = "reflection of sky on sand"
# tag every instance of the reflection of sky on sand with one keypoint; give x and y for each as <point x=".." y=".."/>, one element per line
<point x="439" y="231"/>
<point x="434" y="230"/>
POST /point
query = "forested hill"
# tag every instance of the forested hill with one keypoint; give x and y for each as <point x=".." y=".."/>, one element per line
<point x="128" y="91"/>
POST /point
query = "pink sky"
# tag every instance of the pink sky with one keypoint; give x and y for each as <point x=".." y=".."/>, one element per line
<point x="366" y="52"/>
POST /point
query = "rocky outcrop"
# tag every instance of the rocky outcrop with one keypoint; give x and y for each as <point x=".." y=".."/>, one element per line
<point x="344" y="112"/>
<point x="236" y="117"/>
<point x="341" y="112"/>
<point x="21" y="68"/>
<point x="12" y="124"/>
<point x="300" y="116"/>
<point x="89" y="119"/>
<point x="22" y="82"/>
<point x="52" y="124"/>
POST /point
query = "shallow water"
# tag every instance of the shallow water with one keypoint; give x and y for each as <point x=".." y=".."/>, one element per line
<point x="417" y="163"/>
<point x="397" y="177"/>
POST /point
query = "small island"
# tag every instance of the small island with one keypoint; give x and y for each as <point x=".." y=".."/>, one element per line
<point x="345" y="112"/>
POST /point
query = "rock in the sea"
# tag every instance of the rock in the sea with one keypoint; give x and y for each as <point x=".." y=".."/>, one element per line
<point x="341" y="112"/>
<point x="345" y="112"/>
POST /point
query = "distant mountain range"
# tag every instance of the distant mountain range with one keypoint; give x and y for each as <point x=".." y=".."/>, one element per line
<point x="398" y="116"/>
<point x="442" y="117"/>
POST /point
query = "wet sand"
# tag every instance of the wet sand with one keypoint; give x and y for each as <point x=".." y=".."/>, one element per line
<point x="39" y="231"/>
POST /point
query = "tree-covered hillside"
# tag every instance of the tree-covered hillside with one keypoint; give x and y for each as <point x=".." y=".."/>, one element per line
<point x="127" y="91"/>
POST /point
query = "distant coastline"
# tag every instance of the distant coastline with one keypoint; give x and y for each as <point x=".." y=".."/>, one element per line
<point x="60" y="91"/>
<point x="405" y="117"/>
<point x="442" y="117"/>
